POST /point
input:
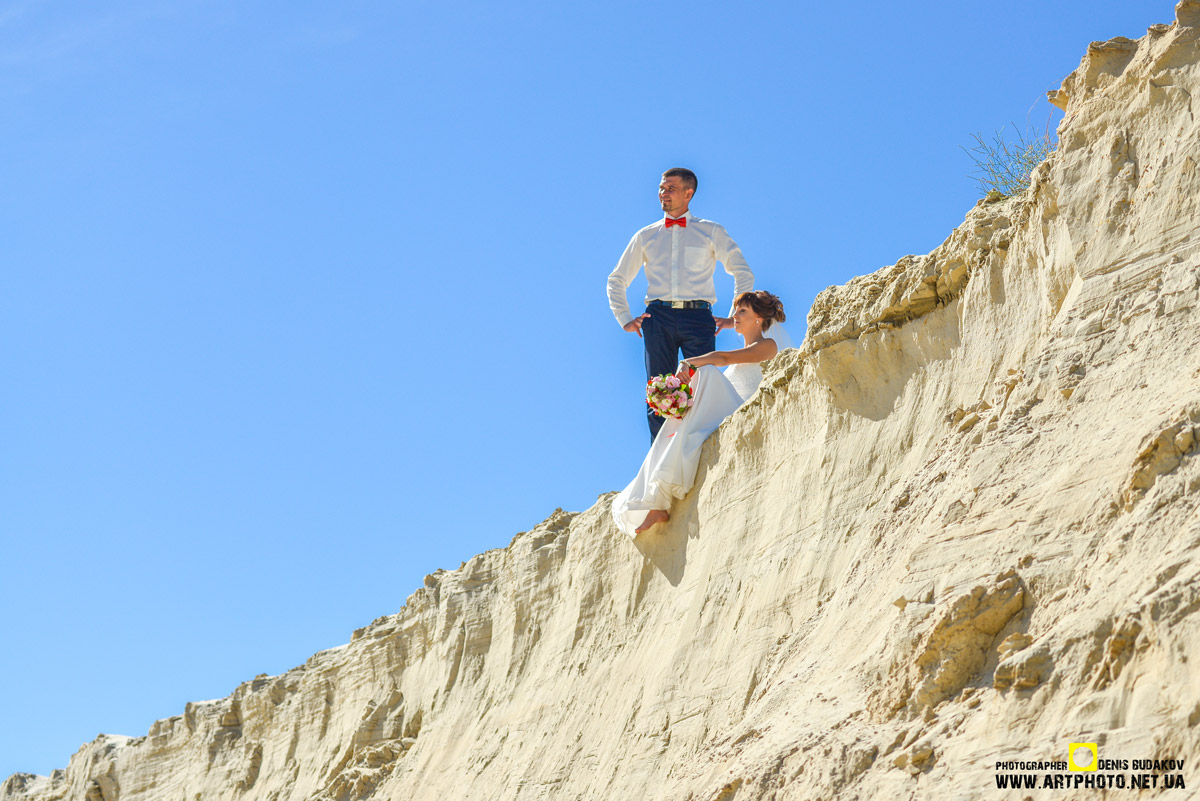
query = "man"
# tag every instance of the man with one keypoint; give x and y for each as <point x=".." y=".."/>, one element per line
<point x="680" y="253"/>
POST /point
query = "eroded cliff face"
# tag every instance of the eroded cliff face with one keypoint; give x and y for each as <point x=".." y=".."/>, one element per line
<point x="958" y="526"/>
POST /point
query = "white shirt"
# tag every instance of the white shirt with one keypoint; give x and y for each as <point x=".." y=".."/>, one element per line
<point x="679" y="263"/>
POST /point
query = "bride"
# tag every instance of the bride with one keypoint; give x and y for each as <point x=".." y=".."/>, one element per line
<point x="669" y="469"/>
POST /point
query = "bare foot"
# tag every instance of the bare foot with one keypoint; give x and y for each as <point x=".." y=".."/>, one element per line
<point x="654" y="517"/>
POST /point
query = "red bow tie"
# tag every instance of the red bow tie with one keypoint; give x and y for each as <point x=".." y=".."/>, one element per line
<point x="682" y="221"/>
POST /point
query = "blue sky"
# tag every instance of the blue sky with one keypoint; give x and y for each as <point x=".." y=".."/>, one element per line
<point x="303" y="301"/>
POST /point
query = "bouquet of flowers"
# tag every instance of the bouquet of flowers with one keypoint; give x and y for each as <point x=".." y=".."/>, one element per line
<point x="668" y="396"/>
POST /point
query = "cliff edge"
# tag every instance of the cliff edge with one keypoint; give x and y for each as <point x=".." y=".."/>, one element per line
<point x="957" y="527"/>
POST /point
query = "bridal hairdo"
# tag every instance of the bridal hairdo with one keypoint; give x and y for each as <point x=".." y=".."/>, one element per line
<point x="767" y="306"/>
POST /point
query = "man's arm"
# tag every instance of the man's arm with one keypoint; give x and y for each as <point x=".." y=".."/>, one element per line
<point x="618" y="282"/>
<point x="730" y="255"/>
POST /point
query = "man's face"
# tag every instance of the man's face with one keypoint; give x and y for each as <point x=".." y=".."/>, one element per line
<point x="674" y="196"/>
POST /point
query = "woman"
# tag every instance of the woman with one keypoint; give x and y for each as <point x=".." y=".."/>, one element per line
<point x="670" y="467"/>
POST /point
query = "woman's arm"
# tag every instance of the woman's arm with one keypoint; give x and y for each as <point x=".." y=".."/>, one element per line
<point x="758" y="352"/>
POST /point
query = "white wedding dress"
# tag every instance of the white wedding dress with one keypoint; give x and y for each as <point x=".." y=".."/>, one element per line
<point x="669" y="468"/>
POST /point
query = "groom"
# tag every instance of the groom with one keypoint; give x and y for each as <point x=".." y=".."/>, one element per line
<point x="680" y="253"/>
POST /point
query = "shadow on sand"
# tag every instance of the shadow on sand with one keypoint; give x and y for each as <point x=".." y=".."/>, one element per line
<point x="665" y="546"/>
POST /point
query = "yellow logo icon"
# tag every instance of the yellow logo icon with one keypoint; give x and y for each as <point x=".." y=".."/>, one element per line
<point x="1082" y="756"/>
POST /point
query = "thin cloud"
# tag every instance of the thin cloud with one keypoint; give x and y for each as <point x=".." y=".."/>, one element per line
<point x="322" y="37"/>
<point x="14" y="11"/>
<point x="34" y="34"/>
<point x="53" y="46"/>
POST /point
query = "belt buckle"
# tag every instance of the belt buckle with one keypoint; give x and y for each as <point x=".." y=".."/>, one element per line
<point x="679" y="304"/>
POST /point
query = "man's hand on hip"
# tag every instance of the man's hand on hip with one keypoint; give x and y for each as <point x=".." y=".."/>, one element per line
<point x="722" y="323"/>
<point x="634" y="326"/>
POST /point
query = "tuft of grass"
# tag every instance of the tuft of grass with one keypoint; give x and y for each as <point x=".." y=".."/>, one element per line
<point x="1003" y="165"/>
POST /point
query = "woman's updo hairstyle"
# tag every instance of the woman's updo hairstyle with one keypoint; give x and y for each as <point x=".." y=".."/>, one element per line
<point x="764" y="304"/>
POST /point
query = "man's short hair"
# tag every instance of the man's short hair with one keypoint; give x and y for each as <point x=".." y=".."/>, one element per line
<point x="689" y="177"/>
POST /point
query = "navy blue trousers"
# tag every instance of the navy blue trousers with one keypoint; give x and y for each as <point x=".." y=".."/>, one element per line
<point x="667" y="332"/>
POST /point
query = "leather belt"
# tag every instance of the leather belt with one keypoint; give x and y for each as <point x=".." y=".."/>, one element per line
<point x="682" y="304"/>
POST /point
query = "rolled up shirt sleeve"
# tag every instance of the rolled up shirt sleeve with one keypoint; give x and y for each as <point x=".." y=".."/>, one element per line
<point x="730" y="255"/>
<point x="619" y="279"/>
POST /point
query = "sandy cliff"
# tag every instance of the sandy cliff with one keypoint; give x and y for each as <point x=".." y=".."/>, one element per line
<point x="958" y="526"/>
